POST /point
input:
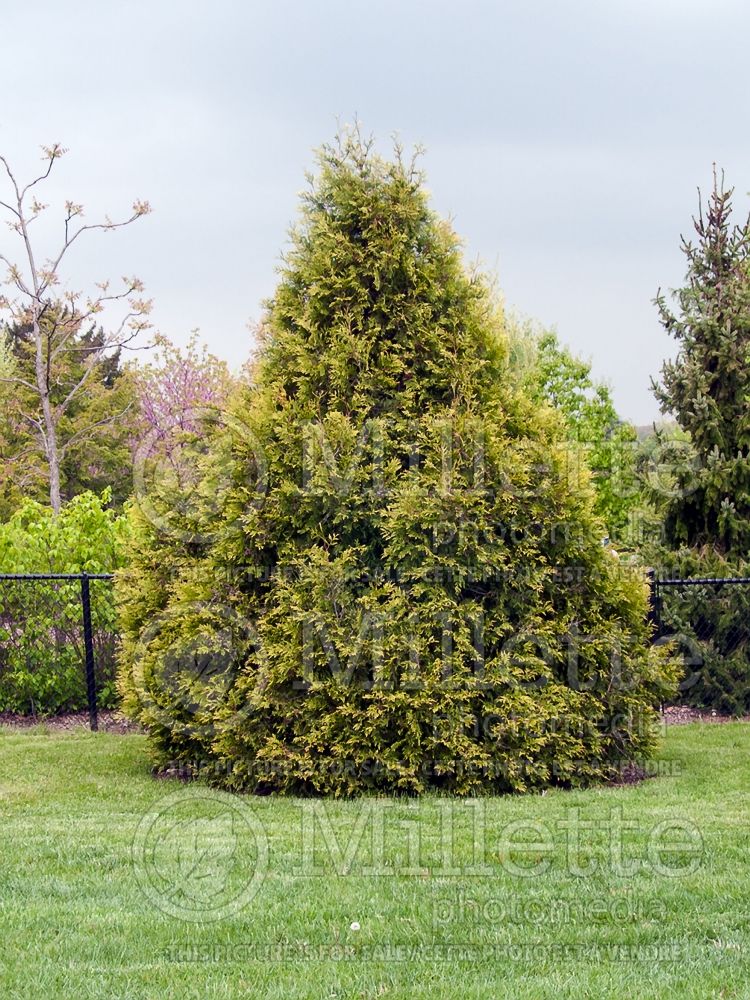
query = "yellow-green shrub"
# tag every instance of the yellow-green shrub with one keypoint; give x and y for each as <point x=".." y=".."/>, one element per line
<point x="391" y="578"/>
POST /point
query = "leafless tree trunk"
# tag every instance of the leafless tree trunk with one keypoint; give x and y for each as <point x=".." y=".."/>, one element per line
<point x="34" y="302"/>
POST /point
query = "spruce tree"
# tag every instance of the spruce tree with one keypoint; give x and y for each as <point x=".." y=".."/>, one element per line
<point x="392" y="578"/>
<point x="706" y="387"/>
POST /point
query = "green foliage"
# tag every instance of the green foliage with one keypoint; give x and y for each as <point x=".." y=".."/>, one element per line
<point x="8" y="365"/>
<point x="87" y="536"/>
<point x="711" y="623"/>
<point x="94" y="430"/>
<point x="402" y="585"/>
<point x="706" y="386"/>
<point x="707" y="509"/>
<point x="41" y="639"/>
<point x="596" y="434"/>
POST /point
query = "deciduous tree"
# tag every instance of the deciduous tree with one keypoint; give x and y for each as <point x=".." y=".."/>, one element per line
<point x="57" y="319"/>
<point x="595" y="431"/>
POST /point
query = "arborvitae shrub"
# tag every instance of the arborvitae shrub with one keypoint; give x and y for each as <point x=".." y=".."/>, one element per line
<point x="392" y="577"/>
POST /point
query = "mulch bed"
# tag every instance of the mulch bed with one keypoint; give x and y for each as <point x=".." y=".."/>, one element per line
<point x="109" y="722"/>
<point x="678" y="715"/>
<point x="115" y="722"/>
<point x="630" y="774"/>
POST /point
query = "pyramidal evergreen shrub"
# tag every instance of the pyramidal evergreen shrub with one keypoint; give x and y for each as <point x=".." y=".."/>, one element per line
<point x="391" y="577"/>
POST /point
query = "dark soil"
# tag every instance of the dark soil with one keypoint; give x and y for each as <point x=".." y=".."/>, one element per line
<point x="109" y="722"/>
<point x="181" y="773"/>
<point x="630" y="774"/>
<point x="678" y="715"/>
<point x="115" y="722"/>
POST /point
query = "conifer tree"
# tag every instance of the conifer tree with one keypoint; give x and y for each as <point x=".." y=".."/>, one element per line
<point x="706" y="386"/>
<point x="401" y="584"/>
<point x="707" y="517"/>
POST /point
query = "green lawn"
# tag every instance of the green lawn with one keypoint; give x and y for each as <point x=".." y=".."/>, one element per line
<point x="449" y="901"/>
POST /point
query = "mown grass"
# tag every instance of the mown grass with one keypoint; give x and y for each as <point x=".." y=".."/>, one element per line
<point x="447" y="903"/>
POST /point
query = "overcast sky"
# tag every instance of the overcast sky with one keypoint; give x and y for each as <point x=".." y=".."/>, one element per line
<point x="565" y="138"/>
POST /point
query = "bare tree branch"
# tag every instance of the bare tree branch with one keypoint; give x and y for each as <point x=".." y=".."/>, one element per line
<point x="54" y="325"/>
<point x="16" y="380"/>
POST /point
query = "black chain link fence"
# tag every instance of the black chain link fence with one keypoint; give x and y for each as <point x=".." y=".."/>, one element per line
<point x="708" y="620"/>
<point x="58" y="637"/>
<point x="57" y="643"/>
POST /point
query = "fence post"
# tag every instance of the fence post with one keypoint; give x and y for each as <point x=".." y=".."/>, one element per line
<point x="654" y="611"/>
<point x="88" y="643"/>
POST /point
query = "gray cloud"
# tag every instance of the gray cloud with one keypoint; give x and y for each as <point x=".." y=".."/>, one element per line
<point x="566" y="141"/>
